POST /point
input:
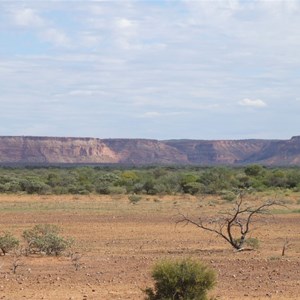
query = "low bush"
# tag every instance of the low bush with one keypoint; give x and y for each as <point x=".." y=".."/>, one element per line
<point x="134" y="199"/>
<point x="228" y="196"/>
<point x="45" y="238"/>
<point x="179" y="280"/>
<point x="8" y="242"/>
<point x="253" y="243"/>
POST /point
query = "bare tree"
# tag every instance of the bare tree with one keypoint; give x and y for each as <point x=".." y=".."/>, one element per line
<point x="285" y="246"/>
<point x="75" y="260"/>
<point x="16" y="262"/>
<point x="234" y="226"/>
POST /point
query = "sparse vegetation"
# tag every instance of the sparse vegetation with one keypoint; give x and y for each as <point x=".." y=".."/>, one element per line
<point x="147" y="180"/>
<point x="252" y="243"/>
<point x="8" y="242"/>
<point x="235" y="225"/>
<point x="45" y="238"/>
<point x="42" y="238"/>
<point x="134" y="199"/>
<point x="118" y="243"/>
<point x="182" y="279"/>
<point x="211" y="191"/>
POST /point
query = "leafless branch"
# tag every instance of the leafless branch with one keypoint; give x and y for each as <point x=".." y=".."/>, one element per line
<point x="241" y="217"/>
<point x="75" y="260"/>
<point x="17" y="262"/>
<point x="285" y="246"/>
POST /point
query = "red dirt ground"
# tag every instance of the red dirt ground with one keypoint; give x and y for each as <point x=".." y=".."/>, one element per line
<point x="120" y="242"/>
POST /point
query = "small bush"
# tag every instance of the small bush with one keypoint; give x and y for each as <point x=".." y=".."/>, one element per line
<point x="134" y="199"/>
<point x="178" y="280"/>
<point x="45" y="238"/>
<point x="228" y="196"/>
<point x="116" y="190"/>
<point x="252" y="242"/>
<point x="8" y="242"/>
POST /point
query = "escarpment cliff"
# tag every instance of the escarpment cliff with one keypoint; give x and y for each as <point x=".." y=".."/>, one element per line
<point x="69" y="150"/>
<point x="55" y="150"/>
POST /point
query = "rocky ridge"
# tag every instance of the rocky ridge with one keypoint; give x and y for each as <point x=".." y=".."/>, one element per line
<point x="69" y="150"/>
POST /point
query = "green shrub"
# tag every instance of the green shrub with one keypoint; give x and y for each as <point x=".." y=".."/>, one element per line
<point x="134" y="199"/>
<point x="116" y="190"/>
<point x="8" y="242"/>
<point x="179" y="280"/>
<point x="193" y="188"/>
<point x="253" y="170"/>
<point x="250" y="242"/>
<point x="59" y="190"/>
<point x="228" y="196"/>
<point x="45" y="238"/>
<point x="33" y="185"/>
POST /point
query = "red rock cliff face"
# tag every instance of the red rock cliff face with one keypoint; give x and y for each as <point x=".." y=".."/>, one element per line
<point x="141" y="151"/>
<point x="279" y="153"/>
<point x="219" y="152"/>
<point x="55" y="150"/>
<point x="47" y="150"/>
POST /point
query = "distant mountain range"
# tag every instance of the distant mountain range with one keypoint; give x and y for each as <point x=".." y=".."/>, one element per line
<point x="27" y="150"/>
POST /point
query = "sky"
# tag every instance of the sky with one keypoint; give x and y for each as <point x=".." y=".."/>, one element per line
<point x="159" y="69"/>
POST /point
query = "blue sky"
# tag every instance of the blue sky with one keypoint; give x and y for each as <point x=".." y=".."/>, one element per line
<point x="162" y="69"/>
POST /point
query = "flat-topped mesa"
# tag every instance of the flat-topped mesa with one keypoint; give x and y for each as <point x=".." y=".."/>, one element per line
<point x="81" y="150"/>
<point x="296" y="138"/>
<point x="145" y="151"/>
<point x="54" y="150"/>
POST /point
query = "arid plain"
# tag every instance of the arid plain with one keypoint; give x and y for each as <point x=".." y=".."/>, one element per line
<point x="120" y="242"/>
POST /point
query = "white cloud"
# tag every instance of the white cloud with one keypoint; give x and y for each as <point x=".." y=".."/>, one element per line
<point x="151" y="114"/>
<point x="218" y="11"/>
<point x="156" y="114"/>
<point x="86" y="93"/>
<point x="126" y="34"/>
<point x="146" y="60"/>
<point x="55" y="36"/>
<point x="82" y="93"/>
<point x="252" y="103"/>
<point x="27" y="17"/>
<point x="124" y="23"/>
<point x="89" y="39"/>
<point x="279" y="6"/>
